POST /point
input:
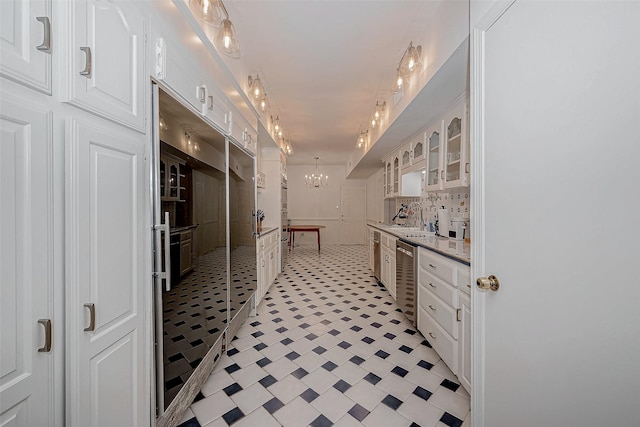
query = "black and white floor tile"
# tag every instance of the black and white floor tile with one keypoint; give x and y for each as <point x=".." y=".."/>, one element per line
<point x="329" y="347"/>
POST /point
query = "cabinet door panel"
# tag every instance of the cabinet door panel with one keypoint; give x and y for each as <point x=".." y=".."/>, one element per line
<point x="26" y="265"/>
<point x="106" y="190"/>
<point x="20" y="35"/>
<point x="114" y="87"/>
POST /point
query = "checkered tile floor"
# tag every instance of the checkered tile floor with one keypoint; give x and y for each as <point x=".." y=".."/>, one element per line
<point x="329" y="347"/>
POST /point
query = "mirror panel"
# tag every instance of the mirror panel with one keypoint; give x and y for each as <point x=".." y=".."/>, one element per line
<point x="193" y="190"/>
<point x="242" y="227"/>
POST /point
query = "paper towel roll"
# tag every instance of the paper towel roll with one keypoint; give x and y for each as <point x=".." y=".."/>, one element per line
<point x="443" y="222"/>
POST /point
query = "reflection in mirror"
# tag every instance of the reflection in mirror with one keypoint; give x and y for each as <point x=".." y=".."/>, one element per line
<point x="192" y="189"/>
<point x="242" y="224"/>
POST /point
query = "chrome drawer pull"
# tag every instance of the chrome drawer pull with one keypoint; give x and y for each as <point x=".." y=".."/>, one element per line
<point x="432" y="308"/>
<point x="87" y="67"/>
<point x="432" y="336"/>
<point x="92" y="317"/>
<point x="46" y="40"/>
<point x="432" y="266"/>
<point x="432" y="285"/>
<point x="47" y="335"/>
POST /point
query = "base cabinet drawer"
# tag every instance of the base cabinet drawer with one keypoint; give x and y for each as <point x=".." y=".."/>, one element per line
<point x="442" y="313"/>
<point x="439" y="287"/>
<point x="442" y="343"/>
<point x="438" y="265"/>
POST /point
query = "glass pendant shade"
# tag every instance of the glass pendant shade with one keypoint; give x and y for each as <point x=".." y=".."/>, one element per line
<point x="398" y="84"/>
<point x="209" y="11"/>
<point x="411" y="60"/>
<point x="226" y="41"/>
<point x="162" y="124"/>
<point x="263" y="103"/>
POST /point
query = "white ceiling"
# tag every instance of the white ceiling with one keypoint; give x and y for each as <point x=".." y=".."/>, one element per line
<point x="325" y="63"/>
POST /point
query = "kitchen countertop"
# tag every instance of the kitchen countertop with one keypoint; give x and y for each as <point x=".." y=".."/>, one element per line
<point x="457" y="250"/>
<point x="267" y="230"/>
<point x="175" y="230"/>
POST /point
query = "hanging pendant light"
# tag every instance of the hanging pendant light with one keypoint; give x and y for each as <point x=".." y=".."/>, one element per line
<point x="210" y="12"/>
<point x="264" y="103"/>
<point x="316" y="179"/>
<point x="398" y="84"/>
<point x="226" y="41"/>
<point x="162" y="124"/>
<point x="256" y="90"/>
<point x="376" y="117"/>
<point x="411" y="60"/>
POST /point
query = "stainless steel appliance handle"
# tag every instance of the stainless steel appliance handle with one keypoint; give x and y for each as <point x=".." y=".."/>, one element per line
<point x="167" y="252"/>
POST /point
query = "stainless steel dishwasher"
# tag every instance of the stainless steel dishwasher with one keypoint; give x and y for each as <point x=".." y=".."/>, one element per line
<point x="376" y="254"/>
<point x="406" y="279"/>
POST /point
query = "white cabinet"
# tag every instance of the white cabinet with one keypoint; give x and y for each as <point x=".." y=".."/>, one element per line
<point x="388" y="262"/>
<point x="406" y="156"/>
<point x="268" y="262"/>
<point x="433" y="157"/>
<point x="243" y="130"/>
<point x="187" y="79"/>
<point x="418" y="153"/>
<point x="106" y="54"/>
<point x="444" y="311"/>
<point x="32" y="349"/>
<point x="171" y="179"/>
<point x="456" y="151"/>
<point x="464" y="341"/>
<point x="26" y="43"/>
<point x="392" y="175"/>
<point x="186" y="240"/>
<point x="107" y="353"/>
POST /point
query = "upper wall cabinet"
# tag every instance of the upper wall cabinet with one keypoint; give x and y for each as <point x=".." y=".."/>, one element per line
<point x="418" y="152"/>
<point x="456" y="152"/>
<point x="243" y="131"/>
<point x="177" y="71"/>
<point x="406" y="155"/>
<point x="433" y="139"/>
<point x="25" y="43"/>
<point x="106" y="54"/>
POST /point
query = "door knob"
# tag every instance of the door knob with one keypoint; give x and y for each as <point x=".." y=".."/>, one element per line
<point x="486" y="283"/>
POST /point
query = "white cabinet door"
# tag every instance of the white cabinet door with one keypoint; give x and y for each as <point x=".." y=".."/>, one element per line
<point x="25" y="43"/>
<point x="456" y="148"/>
<point x="28" y="388"/>
<point x="464" y="341"/>
<point x="106" y="284"/>
<point x="435" y="174"/>
<point x="106" y="75"/>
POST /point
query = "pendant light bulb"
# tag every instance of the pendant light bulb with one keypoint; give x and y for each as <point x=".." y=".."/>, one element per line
<point x="263" y="103"/>
<point x="226" y="41"/>
<point x="162" y="124"/>
<point x="208" y="11"/>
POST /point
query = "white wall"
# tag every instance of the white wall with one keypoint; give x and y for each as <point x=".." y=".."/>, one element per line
<point x="317" y="205"/>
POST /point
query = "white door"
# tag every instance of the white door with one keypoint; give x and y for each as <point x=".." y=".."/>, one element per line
<point x="28" y="358"/>
<point x="26" y="42"/>
<point x="106" y="74"/>
<point x="556" y="108"/>
<point x="108" y="360"/>
<point x="352" y="214"/>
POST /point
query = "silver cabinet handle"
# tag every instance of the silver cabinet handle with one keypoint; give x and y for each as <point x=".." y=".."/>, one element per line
<point x="92" y="317"/>
<point x="442" y="174"/>
<point x="432" y="285"/>
<point x="47" y="335"/>
<point x="432" y="266"/>
<point x="432" y="307"/>
<point x="210" y="102"/>
<point x="46" y="39"/>
<point x="432" y="336"/>
<point x="87" y="67"/>
<point x="466" y="168"/>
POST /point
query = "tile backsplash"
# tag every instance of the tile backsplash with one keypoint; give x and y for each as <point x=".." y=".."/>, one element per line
<point x="457" y="200"/>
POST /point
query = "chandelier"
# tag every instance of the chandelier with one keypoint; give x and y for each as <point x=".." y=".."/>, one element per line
<point x="316" y="179"/>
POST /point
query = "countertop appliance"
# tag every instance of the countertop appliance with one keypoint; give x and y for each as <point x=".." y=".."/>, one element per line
<point x="457" y="228"/>
<point x="406" y="279"/>
<point x="376" y="255"/>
